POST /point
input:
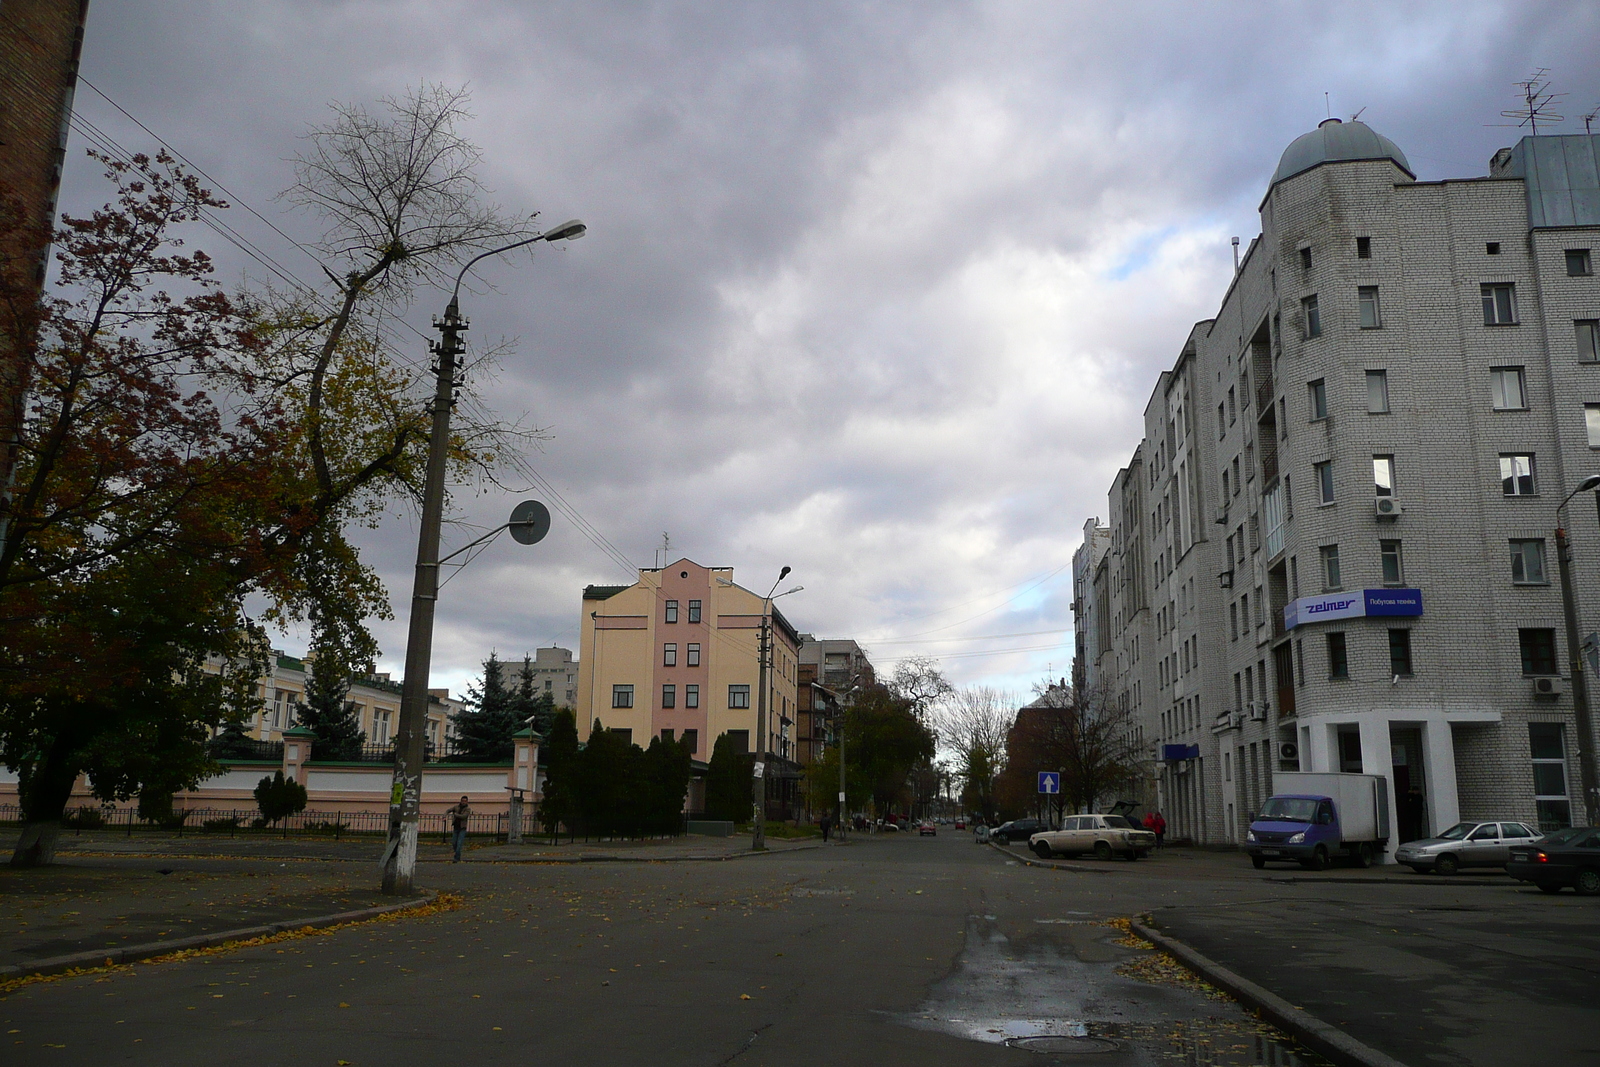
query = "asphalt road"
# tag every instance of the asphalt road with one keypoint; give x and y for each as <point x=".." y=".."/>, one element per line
<point x="926" y="951"/>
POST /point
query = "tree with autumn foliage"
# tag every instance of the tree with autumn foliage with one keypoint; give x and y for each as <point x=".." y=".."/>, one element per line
<point x="184" y="448"/>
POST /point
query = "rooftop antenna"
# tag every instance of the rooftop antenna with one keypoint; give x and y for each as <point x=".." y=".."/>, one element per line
<point x="1590" y="117"/>
<point x="664" y="553"/>
<point x="1327" y="105"/>
<point x="1236" y="255"/>
<point x="1358" y="114"/>
<point x="1537" y="102"/>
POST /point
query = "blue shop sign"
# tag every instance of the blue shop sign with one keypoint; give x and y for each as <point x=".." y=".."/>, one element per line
<point x="1178" y="752"/>
<point x="1354" y="604"/>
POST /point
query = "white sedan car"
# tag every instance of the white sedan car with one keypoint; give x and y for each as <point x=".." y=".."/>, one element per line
<point x="1104" y="835"/>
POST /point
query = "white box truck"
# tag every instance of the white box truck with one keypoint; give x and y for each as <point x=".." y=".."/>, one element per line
<point x="1313" y="817"/>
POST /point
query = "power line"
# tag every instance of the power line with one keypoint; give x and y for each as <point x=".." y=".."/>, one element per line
<point x="982" y="637"/>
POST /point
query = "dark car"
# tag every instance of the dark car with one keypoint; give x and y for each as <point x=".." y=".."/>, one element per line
<point x="1565" y="857"/>
<point x="1016" y="830"/>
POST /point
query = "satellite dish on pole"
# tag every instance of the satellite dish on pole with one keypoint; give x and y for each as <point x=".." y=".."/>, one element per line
<point x="530" y="521"/>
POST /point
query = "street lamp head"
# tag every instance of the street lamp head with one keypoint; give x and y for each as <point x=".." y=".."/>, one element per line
<point x="570" y="230"/>
<point x="785" y="572"/>
<point x="1591" y="482"/>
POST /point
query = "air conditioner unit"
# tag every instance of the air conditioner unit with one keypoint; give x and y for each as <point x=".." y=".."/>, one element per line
<point x="1220" y="516"/>
<point x="1386" y="507"/>
<point x="1288" y="750"/>
<point x="1549" y="687"/>
<point x="1258" y="711"/>
<point x="1236" y="720"/>
<point x="1250" y="710"/>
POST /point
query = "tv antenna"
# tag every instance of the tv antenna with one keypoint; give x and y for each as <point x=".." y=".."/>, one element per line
<point x="664" y="553"/>
<point x="1590" y="117"/>
<point x="1358" y="114"/>
<point x="1537" y="102"/>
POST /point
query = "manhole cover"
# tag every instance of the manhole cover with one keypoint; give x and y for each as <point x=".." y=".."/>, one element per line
<point x="1056" y="1045"/>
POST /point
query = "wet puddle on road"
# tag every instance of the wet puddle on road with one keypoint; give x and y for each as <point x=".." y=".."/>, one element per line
<point x="1071" y="993"/>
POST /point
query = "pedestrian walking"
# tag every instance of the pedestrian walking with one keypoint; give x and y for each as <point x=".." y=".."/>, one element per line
<point x="827" y="824"/>
<point x="458" y="826"/>
<point x="1159" y="825"/>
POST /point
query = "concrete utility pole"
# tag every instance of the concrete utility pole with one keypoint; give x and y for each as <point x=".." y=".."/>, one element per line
<point x="1588" y="777"/>
<point x="405" y="794"/>
<point x="758" y="781"/>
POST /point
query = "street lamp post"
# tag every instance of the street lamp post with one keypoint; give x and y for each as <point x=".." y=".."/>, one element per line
<point x="1588" y="777"/>
<point x="758" y="781"/>
<point x="405" y="793"/>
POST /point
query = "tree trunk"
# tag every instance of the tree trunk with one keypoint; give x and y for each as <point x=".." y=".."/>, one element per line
<point x="44" y="799"/>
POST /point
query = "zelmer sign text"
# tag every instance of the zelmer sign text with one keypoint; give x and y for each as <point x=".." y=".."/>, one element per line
<point x="1355" y="604"/>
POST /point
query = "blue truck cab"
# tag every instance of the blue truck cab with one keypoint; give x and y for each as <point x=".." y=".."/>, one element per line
<point x="1294" y="827"/>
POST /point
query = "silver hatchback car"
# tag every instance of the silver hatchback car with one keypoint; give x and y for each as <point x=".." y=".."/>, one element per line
<point x="1466" y="844"/>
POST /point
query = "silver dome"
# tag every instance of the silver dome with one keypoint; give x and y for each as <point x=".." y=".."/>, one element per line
<point x="1335" y="140"/>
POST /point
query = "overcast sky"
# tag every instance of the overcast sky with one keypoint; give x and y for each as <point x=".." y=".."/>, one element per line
<point x="876" y="291"/>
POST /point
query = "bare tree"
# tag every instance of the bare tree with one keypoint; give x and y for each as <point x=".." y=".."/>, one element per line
<point x="972" y="724"/>
<point x="1084" y="734"/>
<point x="919" y="680"/>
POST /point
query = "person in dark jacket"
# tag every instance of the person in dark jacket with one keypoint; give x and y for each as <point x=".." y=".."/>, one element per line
<point x="458" y="826"/>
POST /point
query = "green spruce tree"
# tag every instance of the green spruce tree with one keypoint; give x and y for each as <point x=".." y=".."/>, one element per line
<point x="728" y="782"/>
<point x="328" y="714"/>
<point x="534" y="708"/>
<point x="486" y="725"/>
<point x="667" y="773"/>
<point x="559" y="754"/>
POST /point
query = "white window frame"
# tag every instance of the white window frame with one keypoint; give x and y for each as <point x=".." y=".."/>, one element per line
<point x="1508" y="388"/>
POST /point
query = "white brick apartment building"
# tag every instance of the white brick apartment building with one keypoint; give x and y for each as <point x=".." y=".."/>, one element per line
<point x="1334" y="548"/>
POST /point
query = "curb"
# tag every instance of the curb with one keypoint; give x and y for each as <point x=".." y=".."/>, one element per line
<point x="607" y="858"/>
<point x="1029" y="861"/>
<point x="149" y="950"/>
<point x="1327" y="1041"/>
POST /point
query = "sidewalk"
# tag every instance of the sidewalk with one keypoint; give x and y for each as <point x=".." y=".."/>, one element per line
<point x="87" y="905"/>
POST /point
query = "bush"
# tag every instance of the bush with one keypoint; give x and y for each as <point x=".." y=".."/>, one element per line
<point x="84" y="818"/>
<point x="231" y="823"/>
<point x="172" y="820"/>
<point x="279" y="797"/>
<point x="324" y="827"/>
<point x="258" y="823"/>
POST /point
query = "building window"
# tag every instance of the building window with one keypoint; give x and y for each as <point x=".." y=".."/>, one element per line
<point x="622" y="696"/>
<point x="669" y="696"/>
<point x="691" y="698"/>
<point x="1588" y="336"/>
<point x="694" y="653"/>
<point x="1319" y="399"/>
<point x="1491" y="248"/>
<point x="1527" y="561"/>
<point x="738" y="696"/>
<point x="1591" y="422"/>
<point x="1338" y="658"/>
<point x="1363" y="248"/>
<point x="1367" y="303"/>
<point x="739" y="741"/>
<point x="625" y="733"/>
<point x="1499" y="307"/>
<point x="1393" y="572"/>
<point x="1222" y="421"/>
<point x="691" y="741"/>
<point x="1548" y="748"/>
<point x="1305" y="259"/>
<point x="1578" y="263"/>
<point x="1400" y="653"/>
<point x="1233" y="621"/>
<point x="672" y="611"/>
<point x="1331" y="578"/>
<point x="1538" y="651"/>
<point x="1233" y="410"/>
<point x="1516" y="475"/>
<point x="1313" y="317"/>
<point x="1324" y="475"/>
<point x="669" y="655"/>
<point x="1508" y="387"/>
<point x="1377" y="392"/>
<point x="1383" y="475"/>
<point x="669" y="735"/>
<point x="694" y="611"/>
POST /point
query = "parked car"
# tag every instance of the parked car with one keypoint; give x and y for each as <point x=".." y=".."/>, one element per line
<point x="980" y="833"/>
<point x="1104" y="835"/>
<point x="961" y="824"/>
<point x="1314" y="816"/>
<point x="1566" y="857"/>
<point x="927" y="829"/>
<point x="1466" y="844"/>
<point x="1016" y="830"/>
